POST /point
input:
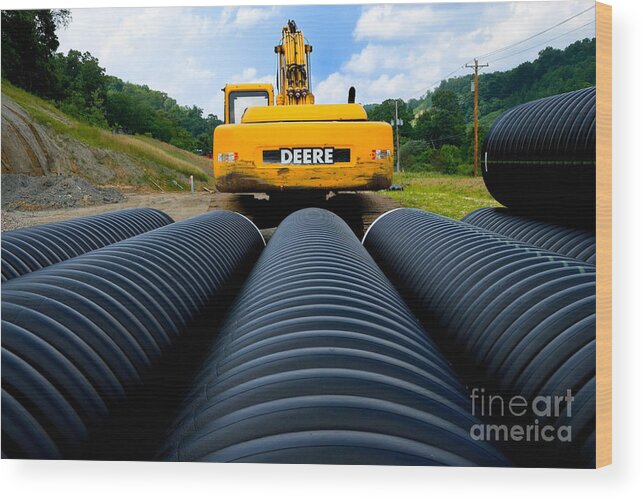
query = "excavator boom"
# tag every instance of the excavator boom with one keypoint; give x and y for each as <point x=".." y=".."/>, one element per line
<point x="293" y="55"/>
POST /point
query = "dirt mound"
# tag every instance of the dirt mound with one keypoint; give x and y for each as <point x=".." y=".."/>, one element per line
<point x="38" y="140"/>
<point x="31" y="148"/>
<point x="23" y="192"/>
<point x="26" y="148"/>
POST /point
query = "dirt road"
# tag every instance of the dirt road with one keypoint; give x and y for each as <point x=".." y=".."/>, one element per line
<point x="179" y="206"/>
<point x="359" y="210"/>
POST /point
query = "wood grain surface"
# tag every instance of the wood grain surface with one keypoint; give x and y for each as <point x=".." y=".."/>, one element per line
<point x="604" y="234"/>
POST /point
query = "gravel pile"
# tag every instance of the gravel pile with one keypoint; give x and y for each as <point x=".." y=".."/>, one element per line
<point x="22" y="192"/>
<point x="9" y="221"/>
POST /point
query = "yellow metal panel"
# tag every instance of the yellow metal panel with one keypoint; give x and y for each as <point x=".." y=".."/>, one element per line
<point x="230" y="87"/>
<point x="305" y="112"/>
<point x="248" y="172"/>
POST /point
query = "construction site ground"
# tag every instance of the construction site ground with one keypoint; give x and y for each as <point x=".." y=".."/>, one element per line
<point x="359" y="210"/>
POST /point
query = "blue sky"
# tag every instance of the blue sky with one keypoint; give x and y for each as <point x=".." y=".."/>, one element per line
<point x="384" y="50"/>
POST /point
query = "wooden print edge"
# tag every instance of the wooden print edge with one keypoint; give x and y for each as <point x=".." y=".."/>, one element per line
<point x="604" y="234"/>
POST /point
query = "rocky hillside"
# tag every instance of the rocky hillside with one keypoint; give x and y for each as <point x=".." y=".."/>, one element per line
<point x="27" y="148"/>
<point x="39" y="141"/>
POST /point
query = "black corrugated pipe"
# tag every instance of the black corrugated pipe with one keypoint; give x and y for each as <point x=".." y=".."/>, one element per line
<point x="79" y="335"/>
<point x="542" y="155"/>
<point x="516" y="318"/>
<point x="32" y="248"/>
<point x="572" y="242"/>
<point x="320" y="361"/>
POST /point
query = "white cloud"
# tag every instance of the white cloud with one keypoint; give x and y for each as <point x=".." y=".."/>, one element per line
<point x="390" y="22"/>
<point x="249" y="16"/>
<point x="396" y="50"/>
<point x="249" y="75"/>
<point x="377" y="57"/>
<point x="189" y="53"/>
<point x="410" y="48"/>
<point x="334" y="89"/>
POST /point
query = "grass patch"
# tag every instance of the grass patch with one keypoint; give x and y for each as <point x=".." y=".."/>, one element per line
<point x="135" y="146"/>
<point x="450" y="195"/>
<point x="179" y="154"/>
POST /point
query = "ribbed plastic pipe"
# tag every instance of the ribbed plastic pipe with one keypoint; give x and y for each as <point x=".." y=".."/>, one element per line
<point x="542" y="154"/>
<point x="32" y="248"/>
<point x="320" y="361"/>
<point x="79" y="335"/>
<point x="572" y="242"/>
<point x="514" y="317"/>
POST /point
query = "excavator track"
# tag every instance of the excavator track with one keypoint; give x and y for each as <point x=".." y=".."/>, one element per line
<point x="357" y="209"/>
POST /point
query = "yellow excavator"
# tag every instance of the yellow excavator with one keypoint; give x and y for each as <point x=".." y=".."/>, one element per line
<point x="287" y="143"/>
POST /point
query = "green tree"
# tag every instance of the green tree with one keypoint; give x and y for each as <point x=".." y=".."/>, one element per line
<point x="29" y="43"/>
<point x="80" y="87"/>
<point x="385" y="112"/>
<point x="205" y="138"/>
<point x="414" y="155"/>
<point x="83" y="86"/>
<point x="554" y="71"/>
<point x="443" y="122"/>
<point x="183" y="139"/>
<point x="448" y="158"/>
<point x="162" y="127"/>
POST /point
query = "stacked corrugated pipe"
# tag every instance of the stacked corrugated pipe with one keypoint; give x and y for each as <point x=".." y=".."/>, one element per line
<point x="32" y="248"/>
<point x="321" y="361"/>
<point x="541" y="155"/>
<point x="518" y="319"/>
<point x="78" y="336"/>
<point x="539" y="160"/>
<point x="570" y="241"/>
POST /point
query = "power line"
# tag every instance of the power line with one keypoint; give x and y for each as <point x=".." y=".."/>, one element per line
<point x="542" y="43"/>
<point x="426" y="88"/>
<point x="535" y="35"/>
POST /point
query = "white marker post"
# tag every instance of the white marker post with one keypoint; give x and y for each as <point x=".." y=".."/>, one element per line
<point x="192" y="183"/>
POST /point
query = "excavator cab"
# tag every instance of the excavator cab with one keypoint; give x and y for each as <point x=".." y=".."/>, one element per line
<point x="241" y="96"/>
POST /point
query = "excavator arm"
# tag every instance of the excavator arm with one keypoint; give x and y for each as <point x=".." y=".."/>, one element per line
<point x="293" y="57"/>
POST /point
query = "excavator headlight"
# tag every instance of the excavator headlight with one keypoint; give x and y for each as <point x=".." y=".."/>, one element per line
<point x="380" y="154"/>
<point x="227" y="157"/>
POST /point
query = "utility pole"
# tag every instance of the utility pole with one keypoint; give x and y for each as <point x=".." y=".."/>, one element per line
<point x="397" y="140"/>
<point x="476" y="159"/>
